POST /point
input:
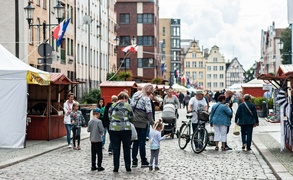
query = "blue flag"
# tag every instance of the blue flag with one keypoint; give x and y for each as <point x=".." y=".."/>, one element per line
<point x="59" y="40"/>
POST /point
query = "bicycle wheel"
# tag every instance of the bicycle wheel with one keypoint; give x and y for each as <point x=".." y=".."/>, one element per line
<point x="199" y="140"/>
<point x="184" y="137"/>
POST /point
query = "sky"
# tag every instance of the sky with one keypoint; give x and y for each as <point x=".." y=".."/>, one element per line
<point x="233" y="25"/>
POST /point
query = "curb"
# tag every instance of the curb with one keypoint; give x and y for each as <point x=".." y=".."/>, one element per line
<point x="30" y="156"/>
<point x="277" y="168"/>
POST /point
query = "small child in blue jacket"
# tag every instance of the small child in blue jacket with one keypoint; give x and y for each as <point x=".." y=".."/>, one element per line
<point x="155" y="138"/>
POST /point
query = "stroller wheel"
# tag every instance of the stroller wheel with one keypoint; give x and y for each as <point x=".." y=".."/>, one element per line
<point x="172" y="135"/>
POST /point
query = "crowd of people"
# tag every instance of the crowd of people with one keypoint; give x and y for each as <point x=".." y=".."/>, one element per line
<point x="119" y="116"/>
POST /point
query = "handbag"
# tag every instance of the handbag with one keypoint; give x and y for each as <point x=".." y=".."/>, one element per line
<point x="133" y="133"/>
<point x="236" y="130"/>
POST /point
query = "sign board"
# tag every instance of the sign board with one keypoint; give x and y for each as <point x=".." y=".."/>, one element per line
<point x="267" y="87"/>
<point x="44" y="49"/>
<point x="46" y="68"/>
<point x="42" y="60"/>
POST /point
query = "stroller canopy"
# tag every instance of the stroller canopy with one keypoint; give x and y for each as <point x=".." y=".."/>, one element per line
<point x="169" y="111"/>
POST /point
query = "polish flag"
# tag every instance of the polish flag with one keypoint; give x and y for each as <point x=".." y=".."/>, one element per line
<point x="131" y="48"/>
<point x="58" y="30"/>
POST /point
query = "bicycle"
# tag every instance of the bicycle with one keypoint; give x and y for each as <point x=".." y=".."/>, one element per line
<point x="199" y="138"/>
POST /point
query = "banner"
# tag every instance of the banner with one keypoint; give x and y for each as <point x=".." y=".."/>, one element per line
<point x="36" y="78"/>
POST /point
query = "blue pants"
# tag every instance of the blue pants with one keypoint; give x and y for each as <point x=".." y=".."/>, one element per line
<point x="246" y="134"/>
<point x="104" y="137"/>
<point x="148" y="130"/>
<point x="140" y="142"/>
<point x="68" y="130"/>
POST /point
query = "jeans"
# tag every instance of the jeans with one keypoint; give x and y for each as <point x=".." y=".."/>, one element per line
<point x="76" y="135"/>
<point x="68" y="130"/>
<point x="141" y="136"/>
<point x="246" y="134"/>
<point x="148" y="130"/>
<point x="116" y="138"/>
<point x="104" y="137"/>
<point x="154" y="155"/>
<point x="97" y="150"/>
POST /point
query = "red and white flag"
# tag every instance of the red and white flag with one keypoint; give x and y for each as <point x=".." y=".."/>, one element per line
<point x="58" y="30"/>
<point x="131" y="48"/>
<point x="183" y="79"/>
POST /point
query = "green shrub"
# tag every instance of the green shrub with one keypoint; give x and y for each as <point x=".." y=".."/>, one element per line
<point x="91" y="97"/>
<point x="271" y="103"/>
<point x="258" y="101"/>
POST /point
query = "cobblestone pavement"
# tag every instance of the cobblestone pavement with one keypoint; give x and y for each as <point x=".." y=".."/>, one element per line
<point x="174" y="163"/>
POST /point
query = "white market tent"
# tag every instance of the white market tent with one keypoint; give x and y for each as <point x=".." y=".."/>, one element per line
<point x="13" y="98"/>
<point x="178" y="87"/>
<point x="235" y="87"/>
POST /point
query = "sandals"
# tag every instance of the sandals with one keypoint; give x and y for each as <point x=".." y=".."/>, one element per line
<point x="217" y="149"/>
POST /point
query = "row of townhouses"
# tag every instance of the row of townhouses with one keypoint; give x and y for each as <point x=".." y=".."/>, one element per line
<point x="97" y="32"/>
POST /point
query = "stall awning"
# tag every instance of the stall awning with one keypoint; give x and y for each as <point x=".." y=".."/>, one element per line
<point x="60" y="78"/>
<point x="118" y="84"/>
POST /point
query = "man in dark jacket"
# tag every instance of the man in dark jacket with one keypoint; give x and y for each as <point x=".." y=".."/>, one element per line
<point x="181" y="97"/>
<point x="228" y="95"/>
<point x="106" y="120"/>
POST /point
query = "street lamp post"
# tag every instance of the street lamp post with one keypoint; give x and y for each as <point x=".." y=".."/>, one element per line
<point x="46" y="48"/>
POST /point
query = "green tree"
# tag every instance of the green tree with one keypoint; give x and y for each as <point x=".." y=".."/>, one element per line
<point x="91" y="97"/>
<point x="249" y="74"/>
<point x="113" y="78"/>
<point x="286" y="51"/>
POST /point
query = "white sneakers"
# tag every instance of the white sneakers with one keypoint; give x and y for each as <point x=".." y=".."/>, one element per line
<point x="69" y="146"/>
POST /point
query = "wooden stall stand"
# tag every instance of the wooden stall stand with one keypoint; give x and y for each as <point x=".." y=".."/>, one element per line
<point x="110" y="88"/>
<point x="283" y="76"/>
<point x="45" y="109"/>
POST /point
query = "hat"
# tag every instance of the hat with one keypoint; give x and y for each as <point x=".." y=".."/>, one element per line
<point x="199" y="92"/>
<point x="97" y="110"/>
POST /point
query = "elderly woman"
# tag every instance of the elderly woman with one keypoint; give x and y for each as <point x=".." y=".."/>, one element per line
<point x="120" y="115"/>
<point x="170" y="98"/>
<point x="246" y="117"/>
<point x="220" y="120"/>
<point x="143" y="114"/>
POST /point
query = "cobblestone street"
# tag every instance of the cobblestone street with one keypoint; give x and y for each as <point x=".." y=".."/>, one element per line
<point x="174" y="163"/>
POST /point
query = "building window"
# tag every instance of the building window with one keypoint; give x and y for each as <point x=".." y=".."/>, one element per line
<point x="215" y="68"/>
<point x="175" y="55"/>
<point x="31" y="40"/>
<point x="200" y="64"/>
<point x="145" y="63"/>
<point x="193" y="75"/>
<point x="221" y="76"/>
<point x="215" y="76"/>
<point x="145" y="18"/>
<point x="124" y="40"/>
<point x="215" y="84"/>
<point x="175" y="43"/>
<point x="215" y="59"/>
<point x="209" y="85"/>
<point x="175" y="31"/>
<point x="221" y="84"/>
<point x="124" y="18"/>
<point x="193" y="55"/>
<point x="209" y="76"/>
<point x="127" y="60"/>
<point x="164" y="31"/>
<point x="45" y="4"/>
<point x="187" y="74"/>
<point x="200" y="74"/>
<point x="145" y="40"/>
<point x="194" y="64"/>
<point x="221" y="68"/>
<point x="71" y="14"/>
<point x="209" y="68"/>
<point x="38" y="2"/>
<point x="187" y="64"/>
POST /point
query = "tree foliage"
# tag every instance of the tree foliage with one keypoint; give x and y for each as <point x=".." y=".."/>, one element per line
<point x="91" y="97"/>
<point x="286" y="51"/>
<point x="249" y="74"/>
<point x="125" y="75"/>
<point x="157" y="80"/>
<point x="113" y="78"/>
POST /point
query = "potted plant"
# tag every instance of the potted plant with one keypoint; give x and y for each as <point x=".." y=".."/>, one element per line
<point x="157" y="80"/>
<point x="127" y="75"/>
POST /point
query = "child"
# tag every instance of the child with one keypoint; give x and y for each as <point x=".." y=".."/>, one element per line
<point x="96" y="129"/>
<point x="77" y="120"/>
<point x="155" y="137"/>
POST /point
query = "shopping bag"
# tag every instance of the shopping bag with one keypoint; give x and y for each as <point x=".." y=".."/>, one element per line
<point x="133" y="133"/>
<point x="236" y="130"/>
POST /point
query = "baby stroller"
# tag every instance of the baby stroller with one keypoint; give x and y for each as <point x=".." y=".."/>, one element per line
<point x="169" y="117"/>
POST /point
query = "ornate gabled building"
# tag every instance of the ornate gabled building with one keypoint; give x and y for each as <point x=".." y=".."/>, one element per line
<point x="234" y="73"/>
<point x="215" y="70"/>
<point x="195" y="66"/>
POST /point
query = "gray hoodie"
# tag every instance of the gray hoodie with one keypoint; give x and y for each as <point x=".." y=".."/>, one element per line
<point x="96" y="129"/>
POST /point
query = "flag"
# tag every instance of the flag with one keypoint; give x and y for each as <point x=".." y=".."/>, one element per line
<point x="58" y="30"/>
<point x="183" y="79"/>
<point x="163" y="69"/>
<point x="131" y="48"/>
<point x="64" y="27"/>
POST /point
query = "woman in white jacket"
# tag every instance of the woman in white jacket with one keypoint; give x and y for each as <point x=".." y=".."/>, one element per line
<point x="67" y="106"/>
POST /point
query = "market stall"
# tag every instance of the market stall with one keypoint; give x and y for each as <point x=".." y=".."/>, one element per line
<point x="15" y="75"/>
<point x="45" y="109"/>
<point x="110" y="88"/>
<point x="282" y="82"/>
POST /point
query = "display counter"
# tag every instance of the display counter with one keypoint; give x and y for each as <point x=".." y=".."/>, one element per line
<point x="40" y="128"/>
